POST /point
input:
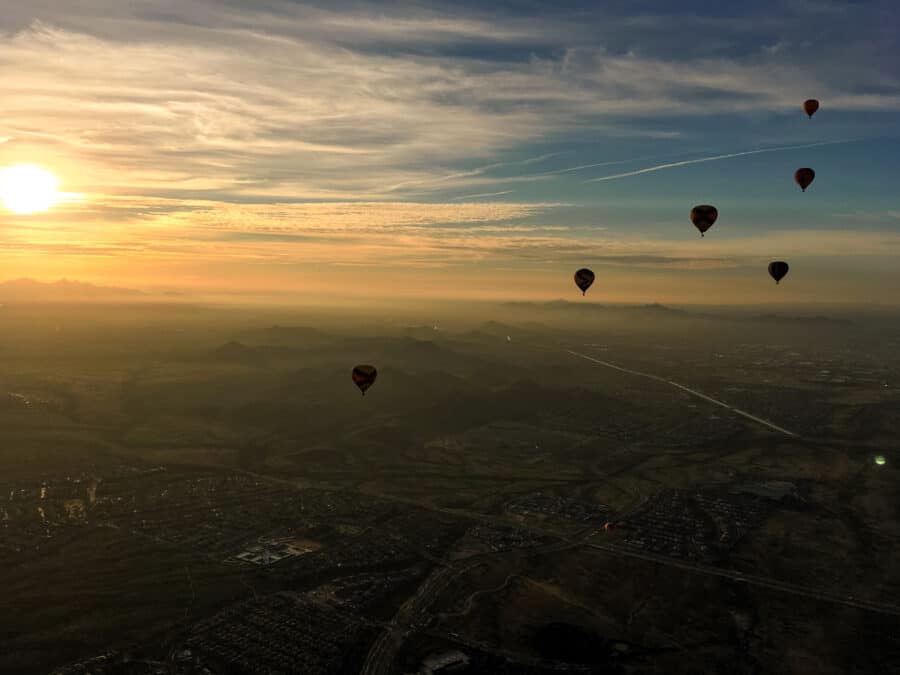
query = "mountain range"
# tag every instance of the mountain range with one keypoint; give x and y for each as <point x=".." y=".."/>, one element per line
<point x="63" y="290"/>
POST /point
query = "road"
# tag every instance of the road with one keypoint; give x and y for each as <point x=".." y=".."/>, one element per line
<point x="384" y="650"/>
<point x="692" y="392"/>
<point x="752" y="580"/>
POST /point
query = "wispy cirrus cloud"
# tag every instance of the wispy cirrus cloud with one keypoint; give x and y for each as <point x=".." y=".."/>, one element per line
<point x="405" y="234"/>
<point x="869" y="217"/>
<point x="279" y="99"/>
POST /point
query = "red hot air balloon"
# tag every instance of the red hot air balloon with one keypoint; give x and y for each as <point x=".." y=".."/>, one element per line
<point x="810" y="106"/>
<point x="778" y="270"/>
<point x="703" y="216"/>
<point x="803" y="177"/>
<point x="364" y="377"/>
<point x="583" y="279"/>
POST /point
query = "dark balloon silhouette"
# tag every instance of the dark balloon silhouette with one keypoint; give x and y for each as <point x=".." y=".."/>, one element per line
<point x="803" y="177"/>
<point x="778" y="270"/>
<point x="703" y="216"/>
<point x="364" y="377"/>
<point x="810" y="106"/>
<point x="583" y="279"/>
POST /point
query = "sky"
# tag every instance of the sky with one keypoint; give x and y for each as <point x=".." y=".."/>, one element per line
<point x="460" y="149"/>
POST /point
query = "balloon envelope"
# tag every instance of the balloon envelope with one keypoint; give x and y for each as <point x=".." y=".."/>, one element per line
<point x="778" y="270"/>
<point x="583" y="279"/>
<point x="703" y="216"/>
<point x="810" y="106"/>
<point x="803" y="177"/>
<point x="364" y="377"/>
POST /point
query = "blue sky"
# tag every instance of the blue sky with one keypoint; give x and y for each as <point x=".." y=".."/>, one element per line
<point x="273" y="144"/>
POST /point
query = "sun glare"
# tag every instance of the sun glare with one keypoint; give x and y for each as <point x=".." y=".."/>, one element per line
<point x="28" y="189"/>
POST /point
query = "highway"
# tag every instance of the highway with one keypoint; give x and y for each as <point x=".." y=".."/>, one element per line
<point x="409" y="618"/>
<point x="692" y="392"/>
<point x="384" y="650"/>
<point x="752" y="580"/>
<point x="382" y="653"/>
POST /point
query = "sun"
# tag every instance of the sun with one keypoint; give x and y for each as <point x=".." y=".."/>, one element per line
<point x="28" y="189"/>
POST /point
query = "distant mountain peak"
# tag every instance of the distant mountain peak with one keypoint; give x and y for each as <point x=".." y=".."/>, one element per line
<point x="659" y="307"/>
<point x="235" y="351"/>
<point x="233" y="345"/>
<point x="801" y="319"/>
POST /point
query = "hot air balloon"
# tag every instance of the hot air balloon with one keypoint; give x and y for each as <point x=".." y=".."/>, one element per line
<point x="810" y="106"/>
<point x="778" y="270"/>
<point x="364" y="377"/>
<point x="703" y="216"/>
<point x="803" y="177"/>
<point x="583" y="279"/>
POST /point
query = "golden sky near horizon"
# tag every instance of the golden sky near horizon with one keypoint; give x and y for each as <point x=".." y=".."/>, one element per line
<point x="220" y="147"/>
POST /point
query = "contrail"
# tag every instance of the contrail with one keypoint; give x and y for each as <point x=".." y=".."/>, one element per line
<point x="470" y="172"/>
<point x="671" y="165"/>
<point x="590" y="166"/>
<point x="482" y="194"/>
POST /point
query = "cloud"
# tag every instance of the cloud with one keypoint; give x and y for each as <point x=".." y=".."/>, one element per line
<point x="885" y="216"/>
<point x="357" y="232"/>
<point x="399" y="235"/>
<point x="366" y="217"/>
<point x="278" y="100"/>
<point x="298" y="119"/>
